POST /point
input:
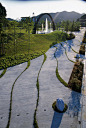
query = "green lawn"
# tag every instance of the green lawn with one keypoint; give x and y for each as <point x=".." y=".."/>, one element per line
<point x="27" y="46"/>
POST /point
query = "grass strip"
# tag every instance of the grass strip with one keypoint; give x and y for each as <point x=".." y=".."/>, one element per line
<point x="72" y="48"/>
<point x="68" y="58"/>
<point x="57" y="73"/>
<point x="59" y="77"/>
<point x="35" y="123"/>
<point x="66" y="54"/>
<point x="4" y="71"/>
<point x="10" y="108"/>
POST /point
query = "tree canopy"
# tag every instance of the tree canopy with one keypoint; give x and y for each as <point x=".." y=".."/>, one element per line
<point x="2" y="11"/>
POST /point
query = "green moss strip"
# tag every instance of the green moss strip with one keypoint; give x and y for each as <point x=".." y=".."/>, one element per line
<point x="59" y="77"/>
<point x="10" y="108"/>
<point x="4" y="71"/>
<point x="35" y="123"/>
<point x="68" y="58"/>
<point x="57" y="73"/>
<point x="72" y="48"/>
<point x="66" y="54"/>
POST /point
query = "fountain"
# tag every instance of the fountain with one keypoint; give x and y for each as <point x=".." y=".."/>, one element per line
<point x="46" y="26"/>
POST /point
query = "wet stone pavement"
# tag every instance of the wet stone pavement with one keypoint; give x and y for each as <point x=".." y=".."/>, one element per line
<point x="24" y="93"/>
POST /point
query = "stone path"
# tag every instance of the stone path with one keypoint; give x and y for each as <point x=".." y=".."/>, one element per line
<point x="24" y="94"/>
<point x="51" y="89"/>
<point x="6" y="83"/>
<point x="1" y="71"/>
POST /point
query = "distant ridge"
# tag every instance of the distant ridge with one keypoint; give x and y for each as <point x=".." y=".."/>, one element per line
<point x="10" y="19"/>
<point x="60" y="16"/>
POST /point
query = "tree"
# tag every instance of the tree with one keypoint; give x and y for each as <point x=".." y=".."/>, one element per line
<point x="72" y="26"/>
<point x="63" y="24"/>
<point x="77" y="26"/>
<point x="28" y="25"/>
<point x="2" y="34"/>
<point x="57" y="25"/>
<point x="67" y="25"/>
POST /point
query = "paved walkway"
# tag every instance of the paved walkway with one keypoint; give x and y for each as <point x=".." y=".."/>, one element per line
<point x="6" y="83"/>
<point x="24" y="94"/>
<point x="1" y="71"/>
<point x="51" y="89"/>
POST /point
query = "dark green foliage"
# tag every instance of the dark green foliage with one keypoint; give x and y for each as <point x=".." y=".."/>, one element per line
<point x="2" y="11"/>
<point x="70" y="36"/>
<point x="76" y="84"/>
<point x="84" y="38"/>
<point x="67" y="25"/>
<point x="18" y="59"/>
<point x="39" y="44"/>
<point x="2" y="33"/>
<point x="82" y="49"/>
<point x="75" y="80"/>
<point x="55" y="108"/>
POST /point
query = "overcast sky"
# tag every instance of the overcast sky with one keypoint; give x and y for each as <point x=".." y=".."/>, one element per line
<point x="16" y="9"/>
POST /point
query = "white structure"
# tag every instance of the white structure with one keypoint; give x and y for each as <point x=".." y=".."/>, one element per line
<point x="46" y="26"/>
<point x="60" y="104"/>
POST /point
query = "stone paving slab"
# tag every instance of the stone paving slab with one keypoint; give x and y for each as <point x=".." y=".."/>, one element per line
<point x="6" y="83"/>
<point x="25" y="96"/>
<point x="51" y="89"/>
<point x="1" y="71"/>
<point x="64" y="65"/>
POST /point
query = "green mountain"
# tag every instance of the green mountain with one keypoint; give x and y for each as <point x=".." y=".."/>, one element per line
<point x="60" y="16"/>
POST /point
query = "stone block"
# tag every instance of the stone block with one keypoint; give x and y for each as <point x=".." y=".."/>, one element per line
<point x="60" y="104"/>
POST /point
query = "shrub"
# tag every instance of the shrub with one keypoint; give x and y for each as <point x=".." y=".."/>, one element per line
<point x="84" y="38"/>
<point x="70" y="36"/>
<point x="82" y="49"/>
<point x="76" y="84"/>
<point x="75" y="80"/>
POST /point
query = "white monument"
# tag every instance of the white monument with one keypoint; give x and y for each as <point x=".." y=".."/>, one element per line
<point x="46" y="26"/>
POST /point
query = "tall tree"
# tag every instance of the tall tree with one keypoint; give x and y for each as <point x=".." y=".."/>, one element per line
<point x="2" y="35"/>
<point x="67" y="25"/>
